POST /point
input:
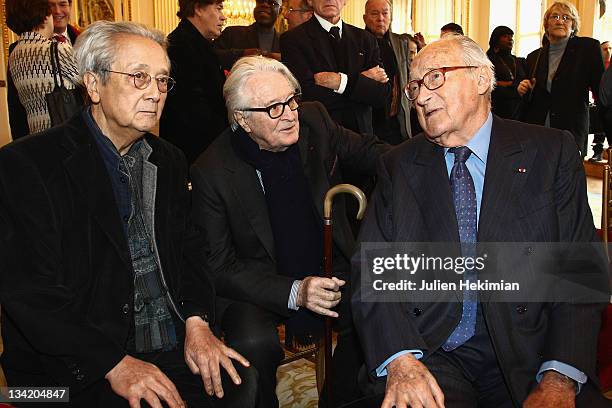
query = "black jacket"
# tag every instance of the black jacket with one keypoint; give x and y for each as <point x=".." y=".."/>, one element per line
<point x="66" y="276"/>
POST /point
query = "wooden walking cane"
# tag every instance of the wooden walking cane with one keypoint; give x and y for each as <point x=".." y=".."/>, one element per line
<point x="327" y="263"/>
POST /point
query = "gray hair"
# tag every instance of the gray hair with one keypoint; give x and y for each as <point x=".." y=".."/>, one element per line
<point x="472" y="54"/>
<point x="235" y="98"/>
<point x="96" y="47"/>
<point x="565" y="7"/>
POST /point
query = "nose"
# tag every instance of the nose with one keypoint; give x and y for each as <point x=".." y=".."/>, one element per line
<point x="424" y="95"/>
<point x="152" y="91"/>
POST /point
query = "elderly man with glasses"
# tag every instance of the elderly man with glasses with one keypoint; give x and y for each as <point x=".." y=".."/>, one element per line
<point x="296" y="12"/>
<point x="475" y="179"/>
<point x="103" y="287"/>
<point x="258" y="199"/>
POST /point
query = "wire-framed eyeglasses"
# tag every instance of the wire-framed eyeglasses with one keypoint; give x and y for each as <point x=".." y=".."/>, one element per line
<point x="565" y="18"/>
<point x="432" y="80"/>
<point x="142" y="80"/>
<point x="276" y="110"/>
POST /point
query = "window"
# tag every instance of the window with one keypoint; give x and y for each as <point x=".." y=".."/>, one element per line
<point x="524" y="17"/>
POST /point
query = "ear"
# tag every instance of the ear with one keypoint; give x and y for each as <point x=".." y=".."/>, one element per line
<point x="91" y="85"/>
<point x="242" y="121"/>
<point x="484" y="80"/>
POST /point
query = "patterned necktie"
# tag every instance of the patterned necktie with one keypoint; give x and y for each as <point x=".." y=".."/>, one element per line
<point x="59" y="38"/>
<point x="464" y="197"/>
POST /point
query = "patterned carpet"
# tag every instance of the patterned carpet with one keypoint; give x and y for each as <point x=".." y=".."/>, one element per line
<point x="297" y="385"/>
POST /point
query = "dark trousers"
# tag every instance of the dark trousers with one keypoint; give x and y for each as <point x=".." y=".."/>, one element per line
<point x="172" y="363"/>
<point x="252" y="332"/>
<point x="470" y="377"/>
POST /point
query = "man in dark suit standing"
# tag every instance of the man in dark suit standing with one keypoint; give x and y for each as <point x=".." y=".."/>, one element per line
<point x="104" y="290"/>
<point x="509" y="182"/>
<point x="338" y="65"/>
<point x="195" y="110"/>
<point x="392" y="122"/>
<point x="62" y="30"/>
<point x="260" y="38"/>
<point x="258" y="200"/>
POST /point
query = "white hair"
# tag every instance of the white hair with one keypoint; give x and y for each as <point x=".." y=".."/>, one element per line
<point x="96" y="47"/>
<point x="471" y="52"/>
<point x="233" y="90"/>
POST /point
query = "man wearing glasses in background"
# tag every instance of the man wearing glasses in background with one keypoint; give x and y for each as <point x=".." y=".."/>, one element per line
<point x="103" y="288"/>
<point x="257" y="198"/>
<point x="260" y="38"/>
<point x="296" y="12"/>
<point x="474" y="178"/>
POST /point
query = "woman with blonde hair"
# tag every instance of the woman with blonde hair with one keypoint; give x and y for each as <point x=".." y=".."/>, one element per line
<point x="560" y="74"/>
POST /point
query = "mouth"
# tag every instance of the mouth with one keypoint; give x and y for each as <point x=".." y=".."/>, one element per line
<point x="58" y="18"/>
<point x="430" y="112"/>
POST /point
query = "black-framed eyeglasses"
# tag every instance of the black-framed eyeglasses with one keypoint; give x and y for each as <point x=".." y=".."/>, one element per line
<point x="270" y="3"/>
<point x="432" y="80"/>
<point x="142" y="80"/>
<point x="564" y="17"/>
<point x="276" y="110"/>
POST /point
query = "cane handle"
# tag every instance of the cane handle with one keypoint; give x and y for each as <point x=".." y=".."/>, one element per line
<point x="344" y="188"/>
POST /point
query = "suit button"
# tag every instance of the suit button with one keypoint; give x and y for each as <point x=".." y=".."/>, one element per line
<point x="416" y="312"/>
<point x="529" y="251"/>
<point x="126" y="309"/>
<point x="522" y="309"/>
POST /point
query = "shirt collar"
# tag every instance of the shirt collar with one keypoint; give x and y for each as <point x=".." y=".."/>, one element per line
<point x="327" y="25"/>
<point x="479" y="144"/>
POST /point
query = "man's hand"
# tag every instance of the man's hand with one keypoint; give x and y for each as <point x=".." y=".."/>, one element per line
<point x="135" y="379"/>
<point x="376" y="73"/>
<point x="329" y="80"/>
<point x="525" y="86"/>
<point x="554" y="391"/>
<point x="320" y="294"/>
<point x="410" y="384"/>
<point x="204" y="353"/>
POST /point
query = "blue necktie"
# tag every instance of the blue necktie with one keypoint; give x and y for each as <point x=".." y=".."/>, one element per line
<point x="464" y="197"/>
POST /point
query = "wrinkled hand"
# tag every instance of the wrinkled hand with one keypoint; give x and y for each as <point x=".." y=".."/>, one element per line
<point x="135" y="379"/>
<point x="525" y="86"/>
<point x="420" y="40"/>
<point x="376" y="73"/>
<point x="554" y="391"/>
<point x="410" y="384"/>
<point x="329" y="80"/>
<point x="204" y="352"/>
<point x="320" y="294"/>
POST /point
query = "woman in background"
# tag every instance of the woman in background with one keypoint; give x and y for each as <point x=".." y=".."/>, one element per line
<point x="30" y="60"/>
<point x="509" y="72"/>
<point x="561" y="74"/>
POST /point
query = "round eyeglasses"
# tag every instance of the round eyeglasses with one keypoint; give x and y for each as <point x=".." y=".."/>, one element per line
<point x="565" y="18"/>
<point x="432" y="80"/>
<point x="142" y="80"/>
<point x="276" y="110"/>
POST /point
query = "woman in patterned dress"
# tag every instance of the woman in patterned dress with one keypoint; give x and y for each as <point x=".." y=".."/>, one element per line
<point x="30" y="61"/>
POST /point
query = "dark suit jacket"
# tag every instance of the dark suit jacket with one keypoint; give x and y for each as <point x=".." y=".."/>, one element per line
<point x="580" y="69"/>
<point x="66" y="286"/>
<point x="73" y="33"/>
<point x="230" y="208"/>
<point x="413" y="203"/>
<point x="194" y="114"/>
<point x="234" y="40"/>
<point x="307" y="50"/>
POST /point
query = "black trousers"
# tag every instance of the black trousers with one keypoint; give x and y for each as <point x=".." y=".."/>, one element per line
<point x="470" y="377"/>
<point x="172" y="363"/>
<point x="252" y="332"/>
